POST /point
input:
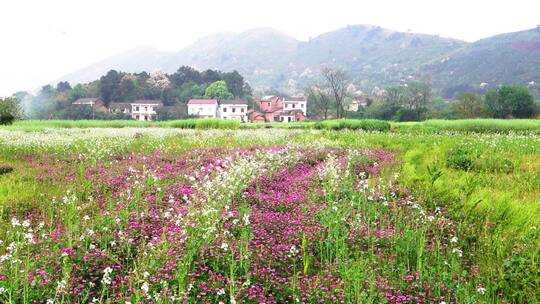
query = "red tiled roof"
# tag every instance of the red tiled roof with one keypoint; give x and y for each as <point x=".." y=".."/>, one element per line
<point x="203" y="101"/>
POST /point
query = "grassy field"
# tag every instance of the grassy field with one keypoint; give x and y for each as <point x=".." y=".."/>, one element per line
<point x="427" y="212"/>
<point x="429" y="126"/>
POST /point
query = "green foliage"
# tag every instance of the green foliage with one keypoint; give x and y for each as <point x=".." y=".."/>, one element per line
<point x="218" y="90"/>
<point x="461" y="158"/>
<point x="353" y="124"/>
<point x="206" y="123"/>
<point x="10" y="110"/>
<point x="403" y="103"/>
<point x="5" y="169"/>
<point x="173" y="90"/>
<point x="510" y="101"/>
<point x="470" y="105"/>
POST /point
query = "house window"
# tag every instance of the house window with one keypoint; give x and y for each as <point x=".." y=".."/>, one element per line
<point x="136" y="108"/>
<point x="293" y="105"/>
<point x="234" y="110"/>
<point x="242" y="110"/>
<point x="224" y="110"/>
<point x="288" y="119"/>
<point x="301" y="105"/>
<point x="146" y="110"/>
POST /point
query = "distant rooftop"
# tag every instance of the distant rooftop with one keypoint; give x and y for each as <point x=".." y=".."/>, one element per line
<point x="91" y="100"/>
<point x="235" y="101"/>
<point x="203" y="101"/>
<point x="295" y="98"/>
<point x="148" y="101"/>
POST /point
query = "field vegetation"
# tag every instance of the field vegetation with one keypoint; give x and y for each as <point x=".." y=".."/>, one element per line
<point x="414" y="213"/>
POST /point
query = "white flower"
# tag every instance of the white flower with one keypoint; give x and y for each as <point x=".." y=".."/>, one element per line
<point x="2" y="290"/>
<point x="106" y="280"/>
<point x="50" y="301"/>
<point x="454" y="239"/>
<point x="61" y="285"/>
<point x="145" y="288"/>
<point x="15" y="222"/>
<point x="458" y="252"/>
<point x="481" y="289"/>
<point x="26" y="223"/>
<point x="86" y="218"/>
<point x="293" y="251"/>
<point x="221" y="292"/>
<point x="224" y="246"/>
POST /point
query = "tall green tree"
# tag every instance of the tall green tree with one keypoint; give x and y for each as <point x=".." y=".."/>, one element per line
<point x="235" y="83"/>
<point x="510" y="102"/>
<point x="109" y="86"/>
<point x="469" y="105"/>
<point x="218" y="90"/>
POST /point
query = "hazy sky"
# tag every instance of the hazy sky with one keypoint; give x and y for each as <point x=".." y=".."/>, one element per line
<point x="42" y="40"/>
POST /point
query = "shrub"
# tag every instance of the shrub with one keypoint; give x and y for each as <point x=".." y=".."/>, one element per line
<point x="353" y="124"/>
<point x="461" y="158"/>
<point x="9" y="110"/>
<point x="206" y="123"/>
<point x="5" y="169"/>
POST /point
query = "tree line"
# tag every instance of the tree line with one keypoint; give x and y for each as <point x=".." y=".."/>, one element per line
<point x="414" y="101"/>
<point x="174" y="90"/>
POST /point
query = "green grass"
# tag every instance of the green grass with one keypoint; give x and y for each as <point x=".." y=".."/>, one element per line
<point x="470" y="125"/>
<point x="429" y="126"/>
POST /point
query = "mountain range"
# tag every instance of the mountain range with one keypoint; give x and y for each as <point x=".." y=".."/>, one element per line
<point x="371" y="55"/>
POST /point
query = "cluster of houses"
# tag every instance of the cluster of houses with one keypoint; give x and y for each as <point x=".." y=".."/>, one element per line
<point x="145" y="110"/>
<point x="267" y="109"/>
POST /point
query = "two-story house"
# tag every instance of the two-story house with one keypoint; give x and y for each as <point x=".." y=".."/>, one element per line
<point x="295" y="103"/>
<point x="281" y="109"/>
<point x="145" y="110"/>
<point x="233" y="109"/>
<point x="203" y="108"/>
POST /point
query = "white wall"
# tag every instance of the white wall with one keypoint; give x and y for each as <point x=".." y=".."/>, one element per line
<point x="295" y="105"/>
<point x="143" y="111"/>
<point x="207" y="110"/>
<point x="240" y="111"/>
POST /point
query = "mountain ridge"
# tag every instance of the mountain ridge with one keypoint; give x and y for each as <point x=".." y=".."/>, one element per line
<point x="373" y="56"/>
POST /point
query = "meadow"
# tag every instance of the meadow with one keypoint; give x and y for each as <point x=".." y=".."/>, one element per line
<point x="339" y="212"/>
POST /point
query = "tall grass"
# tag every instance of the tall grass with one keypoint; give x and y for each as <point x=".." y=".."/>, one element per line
<point x="354" y="124"/>
<point x="470" y="125"/>
<point x="426" y="127"/>
<point x="208" y="123"/>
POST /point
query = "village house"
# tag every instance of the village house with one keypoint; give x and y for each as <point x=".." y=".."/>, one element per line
<point x="145" y="110"/>
<point x="203" y="108"/>
<point x="295" y="103"/>
<point x="279" y="109"/>
<point x="233" y="109"/>
<point x="95" y="103"/>
<point x="120" y="107"/>
<point x="256" y="116"/>
<point x="357" y="103"/>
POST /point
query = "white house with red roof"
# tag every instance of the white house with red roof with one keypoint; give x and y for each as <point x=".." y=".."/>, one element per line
<point x="203" y="108"/>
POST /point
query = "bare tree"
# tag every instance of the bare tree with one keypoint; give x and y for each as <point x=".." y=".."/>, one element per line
<point x="320" y="101"/>
<point x="336" y="80"/>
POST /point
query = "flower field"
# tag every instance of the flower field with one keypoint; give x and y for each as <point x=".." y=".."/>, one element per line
<point x="267" y="216"/>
